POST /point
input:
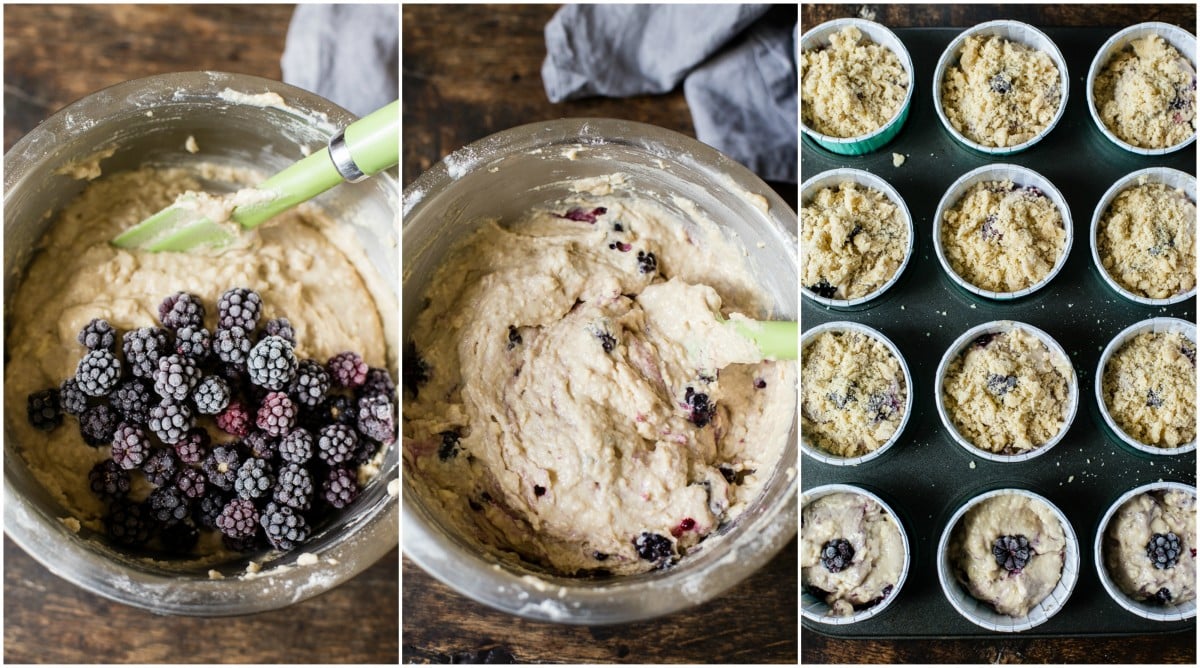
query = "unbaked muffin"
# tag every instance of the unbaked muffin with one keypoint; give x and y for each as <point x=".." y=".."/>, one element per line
<point x="1147" y="240"/>
<point x="1150" y="547"/>
<point x="853" y="240"/>
<point x="1149" y="389"/>
<point x="1000" y="93"/>
<point x="1146" y="94"/>
<point x="852" y="554"/>
<point x="852" y="87"/>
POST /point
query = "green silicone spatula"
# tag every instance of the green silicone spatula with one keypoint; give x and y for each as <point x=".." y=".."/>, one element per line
<point x="777" y="340"/>
<point x="366" y="147"/>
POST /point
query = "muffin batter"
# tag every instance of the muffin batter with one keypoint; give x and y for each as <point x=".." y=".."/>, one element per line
<point x="305" y="267"/>
<point x="853" y="397"/>
<point x="1150" y="389"/>
<point x="1000" y="93"/>
<point x="1002" y="237"/>
<point x="851" y="88"/>
<point x="861" y="574"/>
<point x="1146" y="94"/>
<point x="1014" y="587"/>
<point x="1147" y="240"/>
<point x="1006" y="393"/>
<point x="572" y="400"/>
<point x="1134" y="527"/>
<point x="853" y="241"/>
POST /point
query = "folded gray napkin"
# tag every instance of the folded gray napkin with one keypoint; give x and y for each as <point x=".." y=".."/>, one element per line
<point x="736" y="62"/>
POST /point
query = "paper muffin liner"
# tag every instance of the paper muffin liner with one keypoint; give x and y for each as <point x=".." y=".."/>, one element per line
<point x="1188" y="329"/>
<point x="817" y="610"/>
<point x="1021" y="176"/>
<point x="1183" y="41"/>
<point x="835" y="177"/>
<point x="842" y="326"/>
<point x="1142" y="609"/>
<point x="981" y="613"/>
<point x="967" y="339"/>
<point x="1013" y="31"/>
<point x="1171" y="177"/>
<point x="863" y="144"/>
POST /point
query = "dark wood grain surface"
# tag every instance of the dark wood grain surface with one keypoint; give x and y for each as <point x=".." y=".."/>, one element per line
<point x="1175" y="648"/>
<point x="53" y="55"/>
<point x="469" y="71"/>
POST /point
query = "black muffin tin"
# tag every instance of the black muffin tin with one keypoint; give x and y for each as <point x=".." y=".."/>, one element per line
<point x="926" y="476"/>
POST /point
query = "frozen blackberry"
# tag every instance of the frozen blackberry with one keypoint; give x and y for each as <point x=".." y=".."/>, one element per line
<point x="235" y="419"/>
<point x="211" y="395"/>
<point x="142" y="349"/>
<point x="271" y="363"/>
<point x="238" y="519"/>
<point x="193" y="343"/>
<point x="1162" y="596"/>
<point x="254" y="479"/>
<point x="376" y="418"/>
<point x="249" y="544"/>
<point x="379" y="381"/>
<point x="336" y="409"/>
<point x="310" y="383"/>
<point x="98" y="373"/>
<point x="179" y="538"/>
<point x="133" y="399"/>
<point x="176" y="376"/>
<point x="836" y="555"/>
<point x="128" y="524"/>
<point x="1012" y="553"/>
<point x="221" y="466"/>
<point x="336" y="444"/>
<point x="130" y="446"/>
<point x="161" y="467"/>
<point x="168" y="505"/>
<point x="450" y="446"/>
<point x="98" y="335"/>
<point x="239" y="307"/>
<point x="340" y="489"/>
<point x="647" y="263"/>
<point x="365" y="452"/>
<point x="192" y="448"/>
<point x="1163" y="550"/>
<point x="260" y="444"/>
<point x="181" y="310"/>
<point x="97" y="425"/>
<point x="231" y="345"/>
<point x="192" y="482"/>
<point x="170" y="420"/>
<point x="654" y="547"/>
<point x="347" y="369"/>
<point x="208" y="507"/>
<point x="109" y="481"/>
<point x="285" y="528"/>
<point x="297" y="446"/>
<point x="71" y="399"/>
<point x="281" y="327"/>
<point x="277" y="415"/>
<point x="43" y="410"/>
<point x="700" y="410"/>
<point x="294" y="487"/>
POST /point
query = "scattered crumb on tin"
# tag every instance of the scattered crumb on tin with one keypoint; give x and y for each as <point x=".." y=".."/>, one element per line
<point x="897" y="159"/>
<point x="972" y="464"/>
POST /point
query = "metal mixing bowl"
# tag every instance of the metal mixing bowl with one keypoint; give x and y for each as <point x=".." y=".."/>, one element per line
<point x="147" y="121"/>
<point x="506" y="175"/>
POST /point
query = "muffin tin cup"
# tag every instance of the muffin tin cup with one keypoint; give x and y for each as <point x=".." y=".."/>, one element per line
<point x="873" y="141"/>
<point x="1182" y="40"/>
<point x="832" y="179"/>
<point x="1171" y="177"/>
<point x="833" y="460"/>
<point x="961" y="344"/>
<point x="1021" y="176"/>
<point x="1013" y="31"/>
<point x="1188" y="329"/>
<point x="817" y="610"/>
<point x="981" y="613"/>
<point x="1142" y="609"/>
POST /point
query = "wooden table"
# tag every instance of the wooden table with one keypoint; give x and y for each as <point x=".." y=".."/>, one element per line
<point x="486" y="82"/>
<point x="55" y="54"/>
<point x="1175" y="648"/>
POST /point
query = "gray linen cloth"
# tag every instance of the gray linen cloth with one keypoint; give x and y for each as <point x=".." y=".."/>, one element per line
<point x="738" y="71"/>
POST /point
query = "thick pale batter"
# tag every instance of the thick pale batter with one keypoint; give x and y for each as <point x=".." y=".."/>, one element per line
<point x="1130" y="532"/>
<point x="305" y="268"/>
<point x="576" y="402"/>
<point x="868" y="576"/>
